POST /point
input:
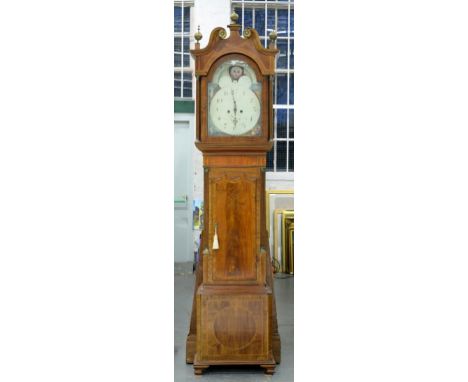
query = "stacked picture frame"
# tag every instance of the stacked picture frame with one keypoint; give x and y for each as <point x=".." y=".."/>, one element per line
<point x="280" y="227"/>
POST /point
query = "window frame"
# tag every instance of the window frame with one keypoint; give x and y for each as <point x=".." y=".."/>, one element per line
<point x="288" y="71"/>
<point x="184" y="34"/>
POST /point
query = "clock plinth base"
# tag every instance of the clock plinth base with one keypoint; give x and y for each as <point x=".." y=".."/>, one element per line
<point x="190" y="348"/>
<point x="198" y="369"/>
<point x="234" y="326"/>
<point x="268" y="365"/>
<point x="269" y="369"/>
<point x="276" y="345"/>
<point x="191" y="341"/>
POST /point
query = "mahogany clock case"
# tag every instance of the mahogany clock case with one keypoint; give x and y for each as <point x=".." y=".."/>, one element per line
<point x="233" y="318"/>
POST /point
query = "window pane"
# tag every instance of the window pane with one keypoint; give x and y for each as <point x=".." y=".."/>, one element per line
<point x="291" y="123"/>
<point x="177" y="45"/>
<point x="281" y="89"/>
<point x="270" y="158"/>
<point x="187" y="77"/>
<point x="239" y="12"/>
<point x="260" y="21"/>
<point x="247" y="18"/>
<point x="186" y="60"/>
<point x="177" y="60"/>
<point x="188" y="92"/>
<point x="281" y="127"/>
<point x="291" y="54"/>
<point x="264" y="42"/>
<point x="291" y="89"/>
<point x="281" y="156"/>
<point x="188" y="84"/>
<point x="186" y="19"/>
<point x="186" y="52"/>
<point x="282" y="62"/>
<point x="282" y="22"/>
<point x="291" y="156"/>
<point x="177" y="78"/>
<point x="291" y="23"/>
<point x="186" y="44"/>
<point x="271" y="20"/>
<point x="177" y="19"/>
<point x="177" y="51"/>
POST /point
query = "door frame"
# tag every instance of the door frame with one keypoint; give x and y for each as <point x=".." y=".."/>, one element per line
<point x="190" y="118"/>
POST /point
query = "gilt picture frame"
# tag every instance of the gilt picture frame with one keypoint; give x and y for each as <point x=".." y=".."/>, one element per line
<point x="276" y="200"/>
<point x="287" y="256"/>
<point x="279" y="249"/>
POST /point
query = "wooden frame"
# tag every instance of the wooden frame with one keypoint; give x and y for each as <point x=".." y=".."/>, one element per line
<point x="291" y="247"/>
<point x="269" y="193"/>
<point x="278" y="219"/>
<point x="277" y="226"/>
<point x="286" y="255"/>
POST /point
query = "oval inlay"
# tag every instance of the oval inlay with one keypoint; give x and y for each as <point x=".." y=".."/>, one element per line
<point x="234" y="328"/>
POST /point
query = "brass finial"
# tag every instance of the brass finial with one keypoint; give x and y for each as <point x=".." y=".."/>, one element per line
<point x="234" y="17"/>
<point x="273" y="35"/>
<point x="198" y="36"/>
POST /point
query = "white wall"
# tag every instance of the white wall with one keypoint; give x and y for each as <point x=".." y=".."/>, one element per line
<point x="210" y="14"/>
<point x="280" y="181"/>
<point x="207" y="14"/>
<point x="185" y="256"/>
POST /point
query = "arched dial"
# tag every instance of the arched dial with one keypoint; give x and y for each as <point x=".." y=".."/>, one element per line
<point x="234" y="107"/>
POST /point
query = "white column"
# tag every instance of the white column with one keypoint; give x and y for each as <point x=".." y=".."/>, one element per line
<point x="210" y="14"/>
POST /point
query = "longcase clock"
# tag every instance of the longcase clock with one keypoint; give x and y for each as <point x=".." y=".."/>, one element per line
<point x="234" y="313"/>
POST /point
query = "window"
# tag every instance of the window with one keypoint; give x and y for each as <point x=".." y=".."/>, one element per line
<point x="183" y="71"/>
<point x="264" y="16"/>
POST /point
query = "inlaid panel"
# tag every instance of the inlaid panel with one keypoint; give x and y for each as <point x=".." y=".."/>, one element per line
<point x="234" y="205"/>
<point x="234" y="327"/>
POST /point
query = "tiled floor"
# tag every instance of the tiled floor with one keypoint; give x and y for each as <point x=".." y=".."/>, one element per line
<point x="183" y="292"/>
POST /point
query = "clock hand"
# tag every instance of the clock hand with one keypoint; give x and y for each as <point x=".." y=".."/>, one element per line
<point x="235" y="108"/>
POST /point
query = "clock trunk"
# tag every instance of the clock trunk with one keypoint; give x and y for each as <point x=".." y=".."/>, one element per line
<point x="234" y="202"/>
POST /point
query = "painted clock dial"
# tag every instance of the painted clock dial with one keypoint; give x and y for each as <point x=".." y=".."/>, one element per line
<point x="234" y="95"/>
